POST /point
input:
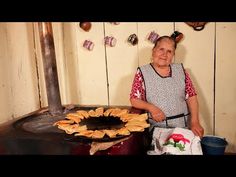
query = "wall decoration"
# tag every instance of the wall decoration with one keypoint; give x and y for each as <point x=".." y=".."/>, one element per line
<point x="178" y="36"/>
<point x="88" y="45"/>
<point x="133" y="39"/>
<point x="197" y="26"/>
<point x="152" y="37"/>
<point x="86" y="26"/>
<point x="110" y="41"/>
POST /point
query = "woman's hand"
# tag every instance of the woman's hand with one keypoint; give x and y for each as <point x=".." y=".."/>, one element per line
<point x="195" y="124"/>
<point x="197" y="129"/>
<point x="157" y="114"/>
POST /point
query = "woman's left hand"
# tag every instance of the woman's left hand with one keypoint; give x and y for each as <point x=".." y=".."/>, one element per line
<point x="197" y="129"/>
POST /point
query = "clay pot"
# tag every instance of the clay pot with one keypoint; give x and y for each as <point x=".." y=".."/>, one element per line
<point x="177" y="36"/>
<point x="197" y="26"/>
<point x="88" y="45"/>
<point x="153" y="36"/>
<point x="86" y="26"/>
<point x="133" y="39"/>
<point x="110" y="41"/>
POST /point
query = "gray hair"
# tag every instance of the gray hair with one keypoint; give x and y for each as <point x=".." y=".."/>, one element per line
<point x="165" y="37"/>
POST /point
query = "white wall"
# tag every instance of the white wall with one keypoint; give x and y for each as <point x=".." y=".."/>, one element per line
<point x="196" y="52"/>
<point x="225" y="91"/>
<point x="18" y="76"/>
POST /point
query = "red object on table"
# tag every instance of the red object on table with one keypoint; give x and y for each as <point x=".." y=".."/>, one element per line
<point x="135" y="145"/>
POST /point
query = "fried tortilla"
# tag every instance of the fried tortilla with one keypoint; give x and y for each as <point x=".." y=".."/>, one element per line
<point x="87" y="133"/>
<point x="123" y="131"/>
<point x="97" y="134"/>
<point x="108" y="111"/>
<point x="143" y="124"/>
<point x="115" y="111"/>
<point x="99" y="111"/>
<point x="110" y="133"/>
<point x="63" y="126"/>
<point x="74" y="115"/>
<point x="74" y="118"/>
<point x="83" y="113"/>
<point x="122" y="112"/>
<point x="63" y="122"/>
<point x="92" y="113"/>
<point x="141" y="117"/>
<point x="128" y="116"/>
<point x="73" y="128"/>
<point x="135" y="128"/>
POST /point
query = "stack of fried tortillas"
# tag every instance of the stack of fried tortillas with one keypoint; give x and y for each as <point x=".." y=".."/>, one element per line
<point x="133" y="123"/>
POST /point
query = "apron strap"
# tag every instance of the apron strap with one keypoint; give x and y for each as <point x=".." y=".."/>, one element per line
<point x="169" y="118"/>
<point x="176" y="117"/>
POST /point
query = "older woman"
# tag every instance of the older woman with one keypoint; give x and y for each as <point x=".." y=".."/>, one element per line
<point x="165" y="90"/>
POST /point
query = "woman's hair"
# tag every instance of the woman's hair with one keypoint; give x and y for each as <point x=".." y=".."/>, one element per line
<point x="165" y="37"/>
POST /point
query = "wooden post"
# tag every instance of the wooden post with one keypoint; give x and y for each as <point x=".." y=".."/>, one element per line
<point x="50" y="67"/>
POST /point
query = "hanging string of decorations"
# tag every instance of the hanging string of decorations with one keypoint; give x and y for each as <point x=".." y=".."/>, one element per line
<point x="133" y="38"/>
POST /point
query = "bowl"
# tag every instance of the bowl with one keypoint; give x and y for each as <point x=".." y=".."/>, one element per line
<point x="213" y="145"/>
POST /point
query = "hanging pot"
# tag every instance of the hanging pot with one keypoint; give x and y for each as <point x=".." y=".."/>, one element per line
<point x="178" y="36"/>
<point x="197" y="26"/>
<point x="86" y="26"/>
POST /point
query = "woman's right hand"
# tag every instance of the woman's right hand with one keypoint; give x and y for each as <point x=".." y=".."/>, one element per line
<point x="156" y="113"/>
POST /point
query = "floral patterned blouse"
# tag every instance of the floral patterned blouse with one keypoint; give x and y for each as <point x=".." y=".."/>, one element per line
<point x="138" y="88"/>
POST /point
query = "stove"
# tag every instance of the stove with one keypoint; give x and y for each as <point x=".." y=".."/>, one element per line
<point x="34" y="134"/>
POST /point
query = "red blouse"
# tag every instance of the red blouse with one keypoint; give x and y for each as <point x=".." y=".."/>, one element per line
<point x="138" y="88"/>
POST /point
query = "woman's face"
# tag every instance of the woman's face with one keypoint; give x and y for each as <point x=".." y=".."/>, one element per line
<point x="163" y="53"/>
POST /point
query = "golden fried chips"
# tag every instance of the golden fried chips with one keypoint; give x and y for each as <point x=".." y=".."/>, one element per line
<point x="133" y="123"/>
